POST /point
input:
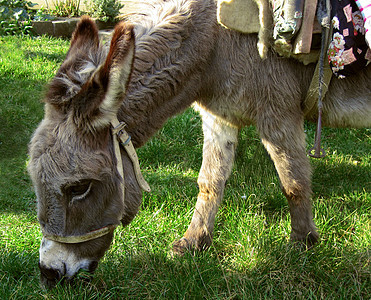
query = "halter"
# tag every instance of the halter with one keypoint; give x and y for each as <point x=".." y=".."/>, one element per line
<point x="120" y="138"/>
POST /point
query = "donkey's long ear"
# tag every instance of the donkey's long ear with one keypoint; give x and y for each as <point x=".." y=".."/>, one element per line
<point x="67" y="82"/>
<point x="85" y="36"/>
<point x="115" y="73"/>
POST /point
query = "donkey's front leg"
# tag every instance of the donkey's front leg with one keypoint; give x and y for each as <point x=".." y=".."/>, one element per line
<point x="220" y="141"/>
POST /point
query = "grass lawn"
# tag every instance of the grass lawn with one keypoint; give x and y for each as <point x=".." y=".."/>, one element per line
<point x="251" y="257"/>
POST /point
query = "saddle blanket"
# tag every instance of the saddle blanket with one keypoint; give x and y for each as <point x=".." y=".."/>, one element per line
<point x="348" y="51"/>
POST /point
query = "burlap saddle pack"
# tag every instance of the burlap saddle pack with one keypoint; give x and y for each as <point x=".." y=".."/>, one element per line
<point x="290" y="27"/>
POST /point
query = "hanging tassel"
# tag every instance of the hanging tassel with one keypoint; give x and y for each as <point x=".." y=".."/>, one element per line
<point x="317" y="151"/>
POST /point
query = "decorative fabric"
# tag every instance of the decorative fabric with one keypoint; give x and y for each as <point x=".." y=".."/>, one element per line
<point x="348" y="51"/>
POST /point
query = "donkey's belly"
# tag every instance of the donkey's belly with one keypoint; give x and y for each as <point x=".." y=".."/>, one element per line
<point x="348" y="102"/>
<point x="236" y="112"/>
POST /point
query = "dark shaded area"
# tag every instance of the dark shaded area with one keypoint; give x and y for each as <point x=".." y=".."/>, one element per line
<point x="281" y="269"/>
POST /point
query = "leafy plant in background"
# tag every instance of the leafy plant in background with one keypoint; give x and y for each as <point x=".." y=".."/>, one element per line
<point x="105" y="10"/>
<point x="15" y="17"/>
<point x="43" y="14"/>
<point x="66" y="8"/>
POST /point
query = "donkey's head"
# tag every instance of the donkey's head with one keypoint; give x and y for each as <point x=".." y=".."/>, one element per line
<point x="73" y="164"/>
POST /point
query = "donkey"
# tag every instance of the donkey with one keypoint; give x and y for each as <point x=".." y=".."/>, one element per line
<point x="159" y="62"/>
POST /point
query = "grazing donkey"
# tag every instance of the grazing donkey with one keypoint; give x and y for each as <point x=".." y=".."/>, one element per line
<point x="165" y="58"/>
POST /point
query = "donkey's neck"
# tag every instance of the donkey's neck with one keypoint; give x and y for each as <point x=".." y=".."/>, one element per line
<point x="173" y="44"/>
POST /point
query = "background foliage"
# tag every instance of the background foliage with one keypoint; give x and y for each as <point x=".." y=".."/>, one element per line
<point x="105" y="10"/>
<point x="14" y="17"/>
<point x="251" y="257"/>
<point x="66" y="8"/>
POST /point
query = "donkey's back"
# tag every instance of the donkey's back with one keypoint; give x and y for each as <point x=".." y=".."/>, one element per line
<point x="243" y="87"/>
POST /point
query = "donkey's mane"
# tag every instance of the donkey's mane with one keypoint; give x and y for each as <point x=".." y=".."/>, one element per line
<point x="153" y="14"/>
<point x="172" y="46"/>
<point x="159" y="27"/>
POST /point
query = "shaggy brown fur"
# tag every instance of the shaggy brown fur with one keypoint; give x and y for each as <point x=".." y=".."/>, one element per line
<point x="182" y="56"/>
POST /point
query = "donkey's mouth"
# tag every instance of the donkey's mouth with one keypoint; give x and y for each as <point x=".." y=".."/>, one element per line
<point x="49" y="278"/>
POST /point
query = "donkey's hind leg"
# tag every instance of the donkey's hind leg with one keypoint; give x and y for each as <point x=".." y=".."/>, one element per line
<point x="284" y="139"/>
<point x="220" y="141"/>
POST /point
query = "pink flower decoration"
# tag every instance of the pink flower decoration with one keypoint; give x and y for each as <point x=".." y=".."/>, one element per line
<point x="338" y="40"/>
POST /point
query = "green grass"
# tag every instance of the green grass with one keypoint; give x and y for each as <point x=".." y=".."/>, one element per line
<point x="251" y="257"/>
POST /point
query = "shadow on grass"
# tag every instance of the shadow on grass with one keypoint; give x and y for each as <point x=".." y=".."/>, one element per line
<point x="274" y="270"/>
<point x="328" y="179"/>
<point x="340" y="179"/>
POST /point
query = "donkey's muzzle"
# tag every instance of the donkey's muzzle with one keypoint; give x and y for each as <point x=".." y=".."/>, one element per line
<point x="49" y="277"/>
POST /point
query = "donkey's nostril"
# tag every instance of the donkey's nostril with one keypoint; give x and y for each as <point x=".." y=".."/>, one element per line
<point x="50" y="274"/>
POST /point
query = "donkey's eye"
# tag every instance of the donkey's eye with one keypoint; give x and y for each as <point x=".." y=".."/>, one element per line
<point x="80" y="190"/>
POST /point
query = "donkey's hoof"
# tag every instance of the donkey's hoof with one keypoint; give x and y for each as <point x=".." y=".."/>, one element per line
<point x="308" y="240"/>
<point x="180" y="247"/>
<point x="203" y="242"/>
